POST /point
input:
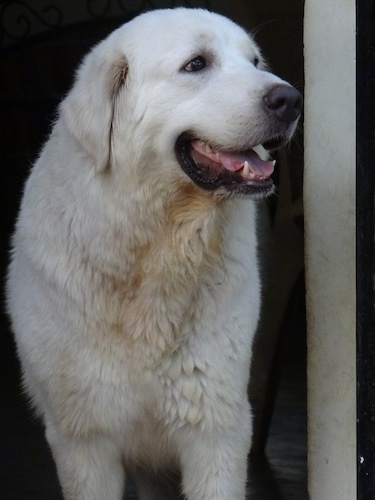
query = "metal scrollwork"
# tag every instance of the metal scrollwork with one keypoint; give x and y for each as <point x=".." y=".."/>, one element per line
<point x="135" y="6"/>
<point x="17" y="19"/>
<point x="98" y="9"/>
<point x="138" y="6"/>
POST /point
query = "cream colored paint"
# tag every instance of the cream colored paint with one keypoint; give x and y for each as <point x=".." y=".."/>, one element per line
<point x="329" y="197"/>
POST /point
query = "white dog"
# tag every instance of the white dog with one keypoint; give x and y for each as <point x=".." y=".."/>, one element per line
<point x="133" y="287"/>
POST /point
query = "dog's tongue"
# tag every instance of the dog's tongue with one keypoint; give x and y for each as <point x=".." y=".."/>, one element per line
<point x="236" y="161"/>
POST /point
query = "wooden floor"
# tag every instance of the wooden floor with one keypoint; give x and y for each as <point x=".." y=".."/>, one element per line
<point x="27" y="471"/>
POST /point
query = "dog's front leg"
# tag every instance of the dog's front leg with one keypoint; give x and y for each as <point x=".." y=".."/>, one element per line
<point x="88" y="468"/>
<point x="214" y="465"/>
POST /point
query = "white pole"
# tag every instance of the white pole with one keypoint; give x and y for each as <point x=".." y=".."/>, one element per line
<point x="329" y="200"/>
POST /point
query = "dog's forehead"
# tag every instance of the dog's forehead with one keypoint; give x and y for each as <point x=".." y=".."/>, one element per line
<point x="187" y="30"/>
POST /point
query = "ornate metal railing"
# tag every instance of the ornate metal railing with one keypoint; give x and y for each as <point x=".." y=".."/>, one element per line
<point x="20" y="20"/>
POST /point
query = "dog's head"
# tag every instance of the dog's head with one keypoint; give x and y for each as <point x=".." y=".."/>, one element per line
<point x="182" y="95"/>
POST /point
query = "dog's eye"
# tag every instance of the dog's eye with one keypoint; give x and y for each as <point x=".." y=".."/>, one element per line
<point x="256" y="61"/>
<point x="196" y="64"/>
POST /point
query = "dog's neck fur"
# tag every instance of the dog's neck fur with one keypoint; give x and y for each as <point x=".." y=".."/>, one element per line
<point x="182" y="254"/>
<point x="143" y="246"/>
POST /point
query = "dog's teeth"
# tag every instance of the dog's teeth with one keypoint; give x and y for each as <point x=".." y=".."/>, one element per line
<point x="206" y="147"/>
<point x="246" y="169"/>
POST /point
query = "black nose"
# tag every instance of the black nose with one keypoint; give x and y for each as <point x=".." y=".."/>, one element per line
<point x="285" y="102"/>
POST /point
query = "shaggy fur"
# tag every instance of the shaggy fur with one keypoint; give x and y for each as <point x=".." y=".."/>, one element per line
<point x="134" y="292"/>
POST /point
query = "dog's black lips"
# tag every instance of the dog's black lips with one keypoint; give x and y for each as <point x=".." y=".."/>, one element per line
<point x="213" y="179"/>
<point x="275" y="143"/>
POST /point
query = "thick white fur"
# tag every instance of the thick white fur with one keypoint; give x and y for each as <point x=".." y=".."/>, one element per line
<point x="134" y="294"/>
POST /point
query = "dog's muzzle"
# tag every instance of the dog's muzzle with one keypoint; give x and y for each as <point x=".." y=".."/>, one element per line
<point x="243" y="172"/>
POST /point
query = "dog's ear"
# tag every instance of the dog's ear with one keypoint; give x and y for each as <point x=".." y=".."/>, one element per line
<point x="87" y="110"/>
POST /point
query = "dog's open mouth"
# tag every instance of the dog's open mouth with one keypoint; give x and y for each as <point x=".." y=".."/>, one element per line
<point x="242" y="172"/>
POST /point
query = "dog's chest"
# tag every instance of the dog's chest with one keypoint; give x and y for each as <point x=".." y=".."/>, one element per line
<point x="182" y="378"/>
<point x="198" y="381"/>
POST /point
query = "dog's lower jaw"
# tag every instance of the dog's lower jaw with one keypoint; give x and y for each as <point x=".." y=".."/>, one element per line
<point x="222" y="181"/>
